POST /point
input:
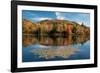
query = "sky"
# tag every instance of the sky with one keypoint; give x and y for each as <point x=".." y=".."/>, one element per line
<point x="36" y="16"/>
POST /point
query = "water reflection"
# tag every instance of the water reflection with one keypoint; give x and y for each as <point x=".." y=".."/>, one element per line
<point x="49" y="48"/>
<point x="50" y="40"/>
<point x="50" y="53"/>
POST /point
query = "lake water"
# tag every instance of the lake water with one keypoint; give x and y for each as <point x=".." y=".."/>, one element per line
<point x="46" y="48"/>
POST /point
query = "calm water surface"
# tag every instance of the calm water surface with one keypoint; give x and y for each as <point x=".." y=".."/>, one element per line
<point x="46" y="48"/>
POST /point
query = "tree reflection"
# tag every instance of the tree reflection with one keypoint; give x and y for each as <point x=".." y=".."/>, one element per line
<point x="50" y="40"/>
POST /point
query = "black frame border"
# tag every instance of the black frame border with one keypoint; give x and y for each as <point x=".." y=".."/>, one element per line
<point x="14" y="5"/>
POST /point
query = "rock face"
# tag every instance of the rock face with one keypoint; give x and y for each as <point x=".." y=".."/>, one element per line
<point x="54" y="27"/>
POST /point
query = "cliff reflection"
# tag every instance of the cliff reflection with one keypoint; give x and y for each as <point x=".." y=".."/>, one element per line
<point x="51" y="53"/>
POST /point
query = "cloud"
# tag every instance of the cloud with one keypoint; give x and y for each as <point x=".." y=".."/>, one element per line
<point x="41" y="18"/>
<point x="59" y="16"/>
<point x="44" y="18"/>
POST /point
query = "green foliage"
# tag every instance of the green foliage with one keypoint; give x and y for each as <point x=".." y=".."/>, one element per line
<point x="75" y="28"/>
